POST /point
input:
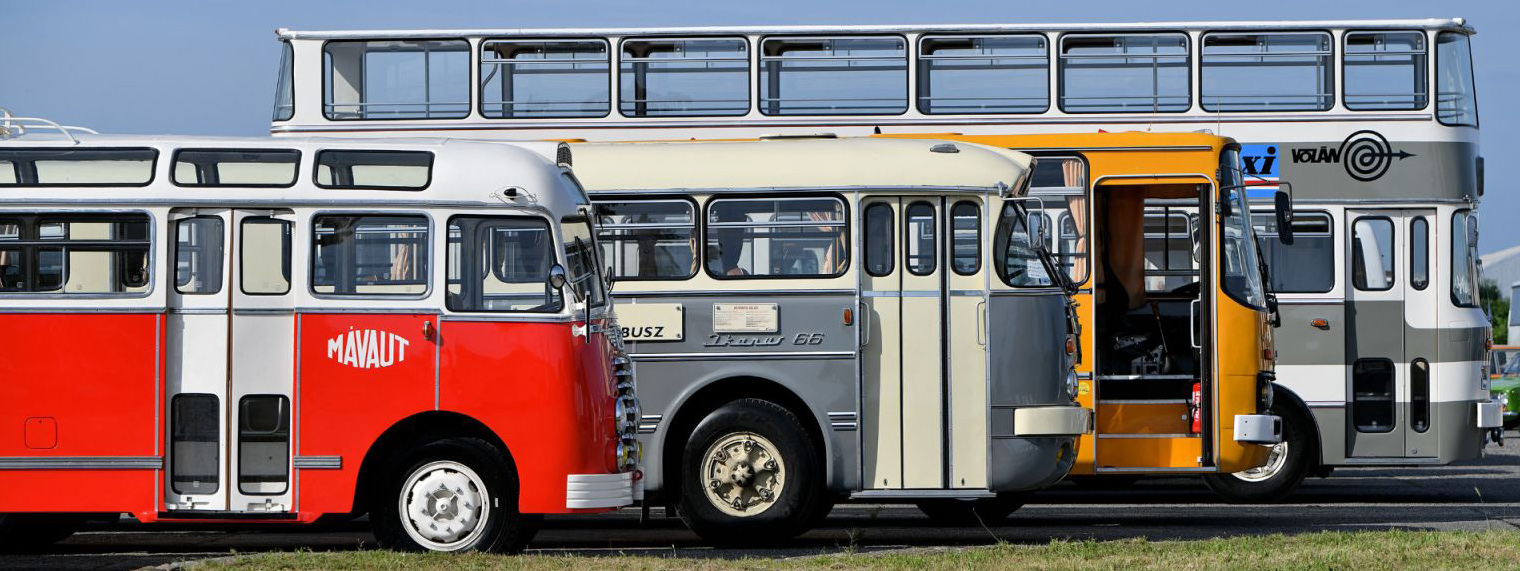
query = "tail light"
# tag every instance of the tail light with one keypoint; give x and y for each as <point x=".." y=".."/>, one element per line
<point x="1195" y="408"/>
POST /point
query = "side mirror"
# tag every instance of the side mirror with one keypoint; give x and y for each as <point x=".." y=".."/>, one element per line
<point x="1282" y="203"/>
<point x="558" y="280"/>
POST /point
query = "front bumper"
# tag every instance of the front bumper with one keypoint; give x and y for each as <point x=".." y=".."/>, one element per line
<point x="1258" y="429"/>
<point x="601" y="491"/>
<point x="1052" y="421"/>
<point x="1490" y="414"/>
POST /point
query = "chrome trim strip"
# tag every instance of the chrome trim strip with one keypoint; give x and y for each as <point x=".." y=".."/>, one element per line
<point x="387" y="310"/>
<point x="1302" y="301"/>
<point x="846" y="415"/>
<point x="656" y="357"/>
<point x="511" y="317"/>
<point x="81" y="309"/>
<point x="318" y="462"/>
<point x="844" y="426"/>
<point x="729" y="292"/>
<point x="903" y="293"/>
<point x="967" y="293"/>
<point x="1395" y="461"/>
<point x="81" y="462"/>
<point x="198" y="311"/>
<point x="648" y="428"/>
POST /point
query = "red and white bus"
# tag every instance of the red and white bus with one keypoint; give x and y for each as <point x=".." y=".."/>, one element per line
<point x="257" y="330"/>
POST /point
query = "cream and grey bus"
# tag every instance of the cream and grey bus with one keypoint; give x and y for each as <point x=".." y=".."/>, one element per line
<point x="813" y="321"/>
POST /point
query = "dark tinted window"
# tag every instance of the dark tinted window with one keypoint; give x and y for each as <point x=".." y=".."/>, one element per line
<point x="965" y="238"/>
<point x="879" y="240"/>
<point x="920" y="238"/>
<point x="1308" y="264"/>
<point x="1419" y="253"/>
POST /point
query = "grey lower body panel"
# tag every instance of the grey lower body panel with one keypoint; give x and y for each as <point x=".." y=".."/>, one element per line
<point x="1018" y="464"/>
<point x="1455" y="424"/>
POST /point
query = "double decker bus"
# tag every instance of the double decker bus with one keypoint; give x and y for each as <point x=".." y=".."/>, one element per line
<point x="1373" y="119"/>
<point x="270" y="331"/>
<point x="825" y="320"/>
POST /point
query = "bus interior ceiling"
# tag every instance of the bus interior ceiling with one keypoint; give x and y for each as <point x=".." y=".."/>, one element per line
<point x="1144" y="294"/>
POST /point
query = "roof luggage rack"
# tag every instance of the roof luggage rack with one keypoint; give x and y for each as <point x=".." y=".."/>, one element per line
<point x="13" y="126"/>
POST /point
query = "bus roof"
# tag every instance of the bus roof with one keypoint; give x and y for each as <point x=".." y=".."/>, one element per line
<point x="796" y="163"/>
<point x="1453" y="24"/>
<point x="462" y="172"/>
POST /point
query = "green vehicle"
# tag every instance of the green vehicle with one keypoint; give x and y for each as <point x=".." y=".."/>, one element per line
<point x="1506" y="389"/>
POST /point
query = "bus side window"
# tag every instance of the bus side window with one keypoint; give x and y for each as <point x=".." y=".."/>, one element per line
<point x="919" y="239"/>
<point x="369" y="255"/>
<point x="878" y="238"/>
<point x="264" y="261"/>
<point x="507" y="261"/>
<point x="1372" y="254"/>
<point x="1419" y="253"/>
<point x="198" y="255"/>
<point x="966" y="238"/>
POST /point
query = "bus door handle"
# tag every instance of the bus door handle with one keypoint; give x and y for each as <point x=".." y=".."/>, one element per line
<point x="1193" y="332"/>
<point x="865" y="323"/>
<point x="981" y="323"/>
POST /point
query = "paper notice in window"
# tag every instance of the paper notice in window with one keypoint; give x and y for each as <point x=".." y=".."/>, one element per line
<point x="745" y="318"/>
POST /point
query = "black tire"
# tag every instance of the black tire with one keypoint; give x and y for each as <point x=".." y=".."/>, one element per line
<point x="30" y="533"/>
<point x="800" y="501"/>
<point x="502" y="530"/>
<point x="971" y="513"/>
<point x="1298" y="459"/>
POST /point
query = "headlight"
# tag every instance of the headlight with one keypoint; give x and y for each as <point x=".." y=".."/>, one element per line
<point x="1071" y="384"/>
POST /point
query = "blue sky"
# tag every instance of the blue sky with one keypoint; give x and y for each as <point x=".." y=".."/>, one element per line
<point x="207" y="67"/>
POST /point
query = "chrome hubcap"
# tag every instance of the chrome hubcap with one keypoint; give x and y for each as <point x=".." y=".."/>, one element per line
<point x="743" y="473"/>
<point x="444" y="505"/>
<point x="1275" y="459"/>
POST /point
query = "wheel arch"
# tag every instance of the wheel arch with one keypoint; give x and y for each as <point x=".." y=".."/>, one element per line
<point x="1283" y="394"/>
<point x="415" y="430"/>
<point x="690" y="411"/>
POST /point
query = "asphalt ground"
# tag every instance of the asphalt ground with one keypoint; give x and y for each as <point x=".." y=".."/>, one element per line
<point x="1473" y="495"/>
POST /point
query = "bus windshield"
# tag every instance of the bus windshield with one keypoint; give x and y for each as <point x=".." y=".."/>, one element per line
<point x="1242" y="269"/>
<point x="1025" y="263"/>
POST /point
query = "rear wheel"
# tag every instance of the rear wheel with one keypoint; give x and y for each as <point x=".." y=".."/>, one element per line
<point x="35" y="532"/>
<point x="451" y="495"/>
<point x="750" y="475"/>
<point x="971" y="512"/>
<point x="1287" y="463"/>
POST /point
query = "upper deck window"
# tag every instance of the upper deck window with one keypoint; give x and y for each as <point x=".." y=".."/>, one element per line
<point x="1385" y="71"/>
<point x="544" y="79"/>
<point x="1267" y="72"/>
<point x="1142" y="73"/>
<point x="1456" y="96"/>
<point x="983" y="74"/>
<point x="648" y="239"/>
<point x="76" y="167"/>
<point x="284" y="87"/>
<point x="404" y="79"/>
<point x="776" y="237"/>
<point x="834" y="76"/>
<point x="236" y="167"/>
<point x="378" y="170"/>
<point x="684" y="78"/>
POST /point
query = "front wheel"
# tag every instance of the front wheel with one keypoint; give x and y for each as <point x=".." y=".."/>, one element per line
<point x="969" y="512"/>
<point x="750" y="475"/>
<point x="1287" y="464"/>
<point x="452" y="495"/>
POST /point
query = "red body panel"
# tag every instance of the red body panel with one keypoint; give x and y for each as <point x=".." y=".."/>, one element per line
<point x="97" y="380"/>
<point x="545" y="392"/>
<point x="347" y="394"/>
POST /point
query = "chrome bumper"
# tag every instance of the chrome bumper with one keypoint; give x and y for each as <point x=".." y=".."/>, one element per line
<point x="1258" y="429"/>
<point x="1052" y="421"/>
<point x="592" y="491"/>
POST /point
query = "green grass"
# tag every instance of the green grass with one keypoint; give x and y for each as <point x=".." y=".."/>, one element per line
<point x="1361" y="550"/>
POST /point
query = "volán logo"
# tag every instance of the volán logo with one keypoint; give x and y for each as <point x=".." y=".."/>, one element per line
<point x="367" y="348"/>
<point x="1366" y="155"/>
